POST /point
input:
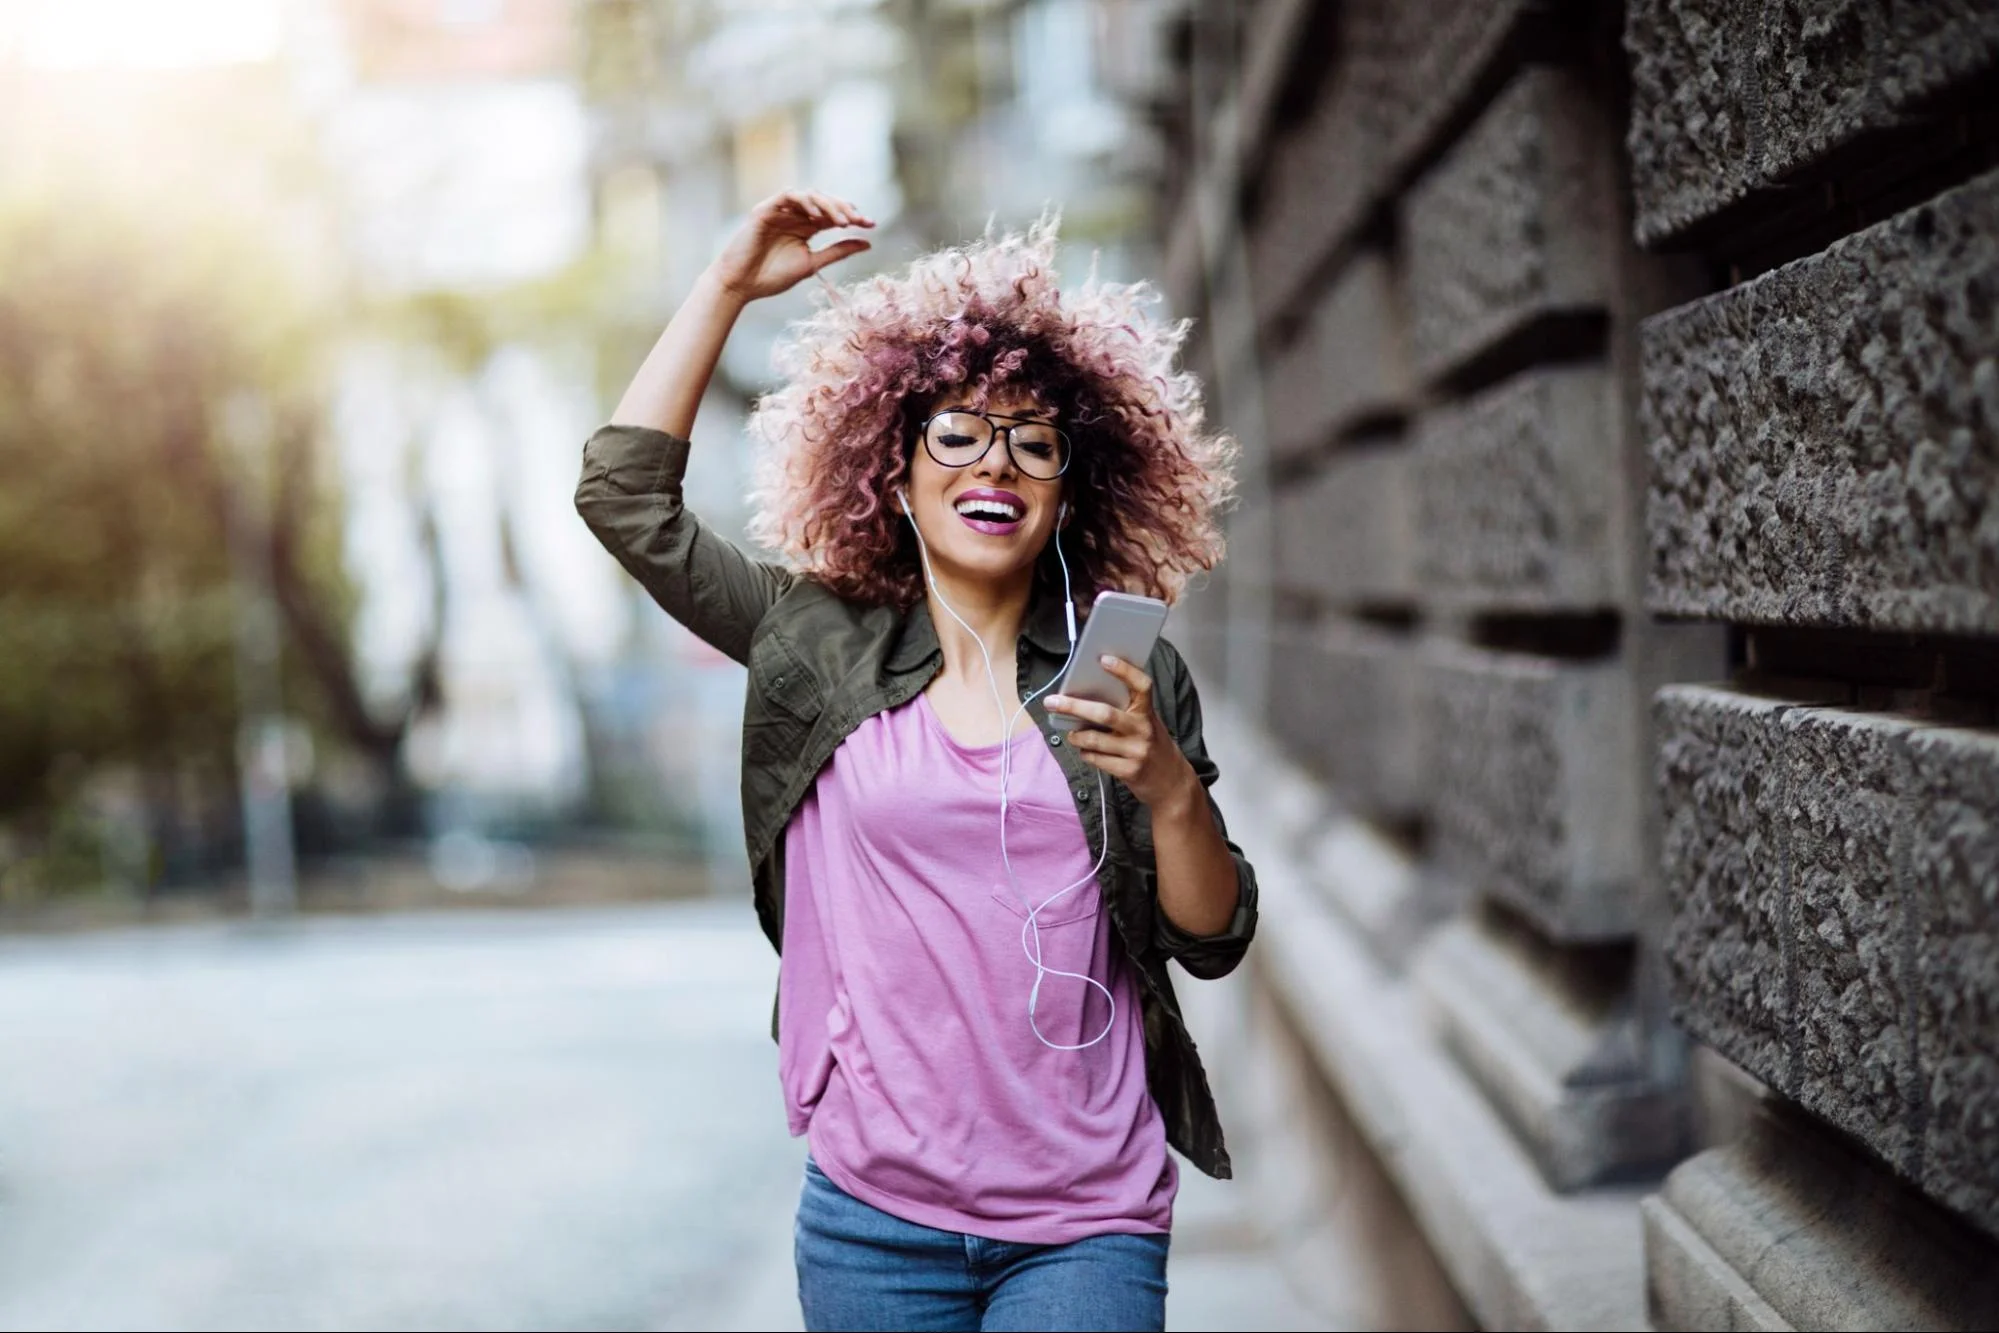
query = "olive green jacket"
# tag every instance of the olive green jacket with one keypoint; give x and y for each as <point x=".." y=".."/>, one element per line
<point x="820" y="666"/>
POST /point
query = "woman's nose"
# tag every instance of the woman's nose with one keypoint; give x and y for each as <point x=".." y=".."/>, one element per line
<point x="997" y="462"/>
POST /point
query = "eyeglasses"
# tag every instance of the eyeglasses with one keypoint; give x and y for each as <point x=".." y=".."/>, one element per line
<point x="960" y="437"/>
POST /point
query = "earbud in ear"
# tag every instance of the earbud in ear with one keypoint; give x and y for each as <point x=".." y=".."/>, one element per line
<point x="902" y="492"/>
<point x="1062" y="514"/>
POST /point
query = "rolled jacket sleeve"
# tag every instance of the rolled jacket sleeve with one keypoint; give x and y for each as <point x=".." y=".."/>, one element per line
<point x="630" y="495"/>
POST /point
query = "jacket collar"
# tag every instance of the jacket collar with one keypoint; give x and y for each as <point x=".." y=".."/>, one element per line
<point x="916" y="639"/>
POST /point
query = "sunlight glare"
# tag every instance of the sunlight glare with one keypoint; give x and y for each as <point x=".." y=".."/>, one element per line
<point x="143" y="34"/>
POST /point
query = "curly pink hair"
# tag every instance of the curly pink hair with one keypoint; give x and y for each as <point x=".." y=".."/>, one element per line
<point x="1146" y="482"/>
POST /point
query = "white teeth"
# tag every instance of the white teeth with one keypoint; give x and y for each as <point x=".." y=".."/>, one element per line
<point x="997" y="510"/>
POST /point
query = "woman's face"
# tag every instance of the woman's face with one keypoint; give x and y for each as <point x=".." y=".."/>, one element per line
<point x="987" y="521"/>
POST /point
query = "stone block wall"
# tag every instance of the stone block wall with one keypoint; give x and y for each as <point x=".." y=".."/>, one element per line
<point x="1823" y="446"/>
<point x="1445" y="295"/>
<point x="1626" y="445"/>
<point x="1824" y="453"/>
<point x="1834" y="926"/>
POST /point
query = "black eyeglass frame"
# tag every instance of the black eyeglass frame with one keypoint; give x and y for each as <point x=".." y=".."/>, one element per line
<point x="1003" y="433"/>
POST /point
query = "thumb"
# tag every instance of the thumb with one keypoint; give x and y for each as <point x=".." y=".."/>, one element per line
<point x="836" y="252"/>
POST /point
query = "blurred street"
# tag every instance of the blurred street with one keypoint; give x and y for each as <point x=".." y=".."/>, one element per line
<point x="536" y="1119"/>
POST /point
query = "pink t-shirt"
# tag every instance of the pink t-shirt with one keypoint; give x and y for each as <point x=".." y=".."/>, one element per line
<point x="904" y="1045"/>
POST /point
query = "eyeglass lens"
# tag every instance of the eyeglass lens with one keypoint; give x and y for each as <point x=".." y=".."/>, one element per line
<point x="959" y="439"/>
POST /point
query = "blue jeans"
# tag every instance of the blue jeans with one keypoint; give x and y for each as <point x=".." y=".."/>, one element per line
<point x="860" y="1268"/>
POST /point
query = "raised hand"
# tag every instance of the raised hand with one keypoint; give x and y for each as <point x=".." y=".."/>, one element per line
<point x="772" y="253"/>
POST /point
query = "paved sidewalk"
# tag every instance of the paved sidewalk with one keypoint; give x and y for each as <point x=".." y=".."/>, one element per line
<point x="557" y="1119"/>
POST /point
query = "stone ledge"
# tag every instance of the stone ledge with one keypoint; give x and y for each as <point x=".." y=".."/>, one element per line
<point x="1374" y="885"/>
<point x="1834" y="883"/>
<point x="1824" y="440"/>
<point x="1519" y="1254"/>
<point x="1554" y="1044"/>
<point x="1536" y="798"/>
<point x="1689" y="1286"/>
<point x="1521" y="495"/>
<point x="1516" y="223"/>
<point x="1787" y="1228"/>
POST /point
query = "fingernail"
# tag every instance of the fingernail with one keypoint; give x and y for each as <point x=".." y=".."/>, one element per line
<point x="1108" y="660"/>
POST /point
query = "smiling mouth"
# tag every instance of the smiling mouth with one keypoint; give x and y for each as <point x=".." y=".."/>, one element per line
<point x="990" y="513"/>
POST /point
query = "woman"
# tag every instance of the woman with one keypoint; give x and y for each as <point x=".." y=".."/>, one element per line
<point x="975" y="1026"/>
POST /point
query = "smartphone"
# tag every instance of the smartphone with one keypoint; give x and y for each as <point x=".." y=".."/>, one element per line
<point x="1121" y="624"/>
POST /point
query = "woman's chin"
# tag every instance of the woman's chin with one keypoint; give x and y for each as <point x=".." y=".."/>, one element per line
<point x="994" y="568"/>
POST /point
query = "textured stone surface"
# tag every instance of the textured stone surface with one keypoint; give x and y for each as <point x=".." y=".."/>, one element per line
<point x="1951" y="875"/>
<point x="1788" y="1228"/>
<point x="1729" y="98"/>
<point x="1343" y="704"/>
<point x="1440" y="50"/>
<point x="1935" y="45"/>
<point x="1348" y="1254"/>
<point x="1845" y="778"/>
<point x="1404" y="69"/>
<point x="1725" y="944"/>
<point x="1517" y="221"/>
<point x="1319" y="183"/>
<point x="1824" y="441"/>
<point x="1554" y="1047"/>
<point x="1810" y="62"/>
<point x="1367" y="875"/>
<point x="1833" y="878"/>
<point x="1690" y="140"/>
<point x="1348" y="362"/>
<point x="1533" y="769"/>
<point x="1344" y="532"/>
<point x="1520" y="496"/>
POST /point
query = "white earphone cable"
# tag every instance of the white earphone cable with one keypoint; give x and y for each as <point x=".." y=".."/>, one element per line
<point x="1030" y="930"/>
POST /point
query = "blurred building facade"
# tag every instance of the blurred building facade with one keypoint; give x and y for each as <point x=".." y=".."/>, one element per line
<point x="1611" y="638"/>
<point x="457" y="138"/>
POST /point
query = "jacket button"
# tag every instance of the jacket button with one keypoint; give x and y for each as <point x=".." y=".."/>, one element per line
<point x="1055" y="739"/>
<point x="1083" y="795"/>
<point x="777" y="683"/>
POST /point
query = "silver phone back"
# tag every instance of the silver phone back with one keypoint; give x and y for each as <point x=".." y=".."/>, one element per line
<point x="1120" y="625"/>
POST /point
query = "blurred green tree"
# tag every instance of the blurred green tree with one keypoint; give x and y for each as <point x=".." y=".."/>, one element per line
<point x="129" y="346"/>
